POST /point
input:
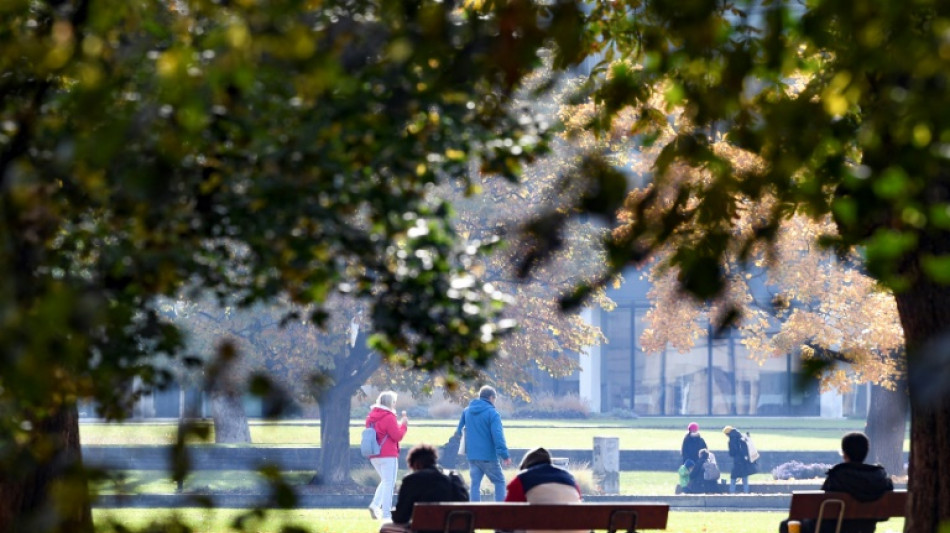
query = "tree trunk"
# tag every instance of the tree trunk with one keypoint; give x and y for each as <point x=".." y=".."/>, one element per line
<point x="353" y="367"/>
<point x="886" y="427"/>
<point x="28" y="502"/>
<point x="335" y="437"/>
<point x="230" y="419"/>
<point x="925" y="315"/>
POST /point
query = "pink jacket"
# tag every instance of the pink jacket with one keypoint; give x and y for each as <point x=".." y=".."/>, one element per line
<point x="386" y="425"/>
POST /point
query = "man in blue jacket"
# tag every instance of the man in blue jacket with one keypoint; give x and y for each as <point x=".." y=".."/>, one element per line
<point x="485" y="445"/>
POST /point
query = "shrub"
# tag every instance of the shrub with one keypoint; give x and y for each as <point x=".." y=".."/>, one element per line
<point x="407" y="402"/>
<point x="584" y="477"/>
<point x="505" y="406"/>
<point x="444" y="408"/>
<point x="547" y="405"/>
<point x="418" y="411"/>
<point x="359" y="412"/>
<point x="797" y="470"/>
<point x="623" y="414"/>
<point x="365" y="477"/>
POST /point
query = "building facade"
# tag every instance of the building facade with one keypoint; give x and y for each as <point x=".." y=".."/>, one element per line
<point x="716" y="377"/>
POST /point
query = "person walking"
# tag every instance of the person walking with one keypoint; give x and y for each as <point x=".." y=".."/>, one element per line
<point x="742" y="465"/>
<point x="389" y="432"/>
<point x="485" y="446"/>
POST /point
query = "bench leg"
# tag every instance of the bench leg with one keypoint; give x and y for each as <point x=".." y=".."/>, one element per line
<point x="467" y="517"/>
<point x="821" y="513"/>
<point x="617" y="521"/>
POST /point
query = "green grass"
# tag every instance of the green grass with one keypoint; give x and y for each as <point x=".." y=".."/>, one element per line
<point x="642" y="434"/>
<point x="641" y="483"/>
<point x="358" y="521"/>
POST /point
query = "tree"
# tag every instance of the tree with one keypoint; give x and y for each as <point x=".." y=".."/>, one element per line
<point x="517" y="218"/>
<point x="254" y="149"/>
<point x="843" y="104"/>
<point x="793" y="297"/>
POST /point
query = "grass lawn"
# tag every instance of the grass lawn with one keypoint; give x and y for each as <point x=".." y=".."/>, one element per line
<point x="640" y="483"/>
<point x="358" y="520"/>
<point x="641" y="434"/>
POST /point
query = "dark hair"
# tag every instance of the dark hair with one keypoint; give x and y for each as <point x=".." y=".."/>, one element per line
<point x="855" y="445"/>
<point x="422" y="456"/>
<point x="533" y="457"/>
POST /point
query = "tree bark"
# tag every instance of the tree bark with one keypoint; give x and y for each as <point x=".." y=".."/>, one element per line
<point x="353" y="367"/>
<point x="925" y="315"/>
<point x="45" y="489"/>
<point x="230" y="418"/>
<point x="335" y="437"/>
<point x="886" y="427"/>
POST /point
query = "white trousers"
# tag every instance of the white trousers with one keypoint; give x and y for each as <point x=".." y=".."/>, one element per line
<point x="386" y="468"/>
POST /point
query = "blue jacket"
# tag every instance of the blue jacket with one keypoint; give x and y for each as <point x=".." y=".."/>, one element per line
<point x="484" y="437"/>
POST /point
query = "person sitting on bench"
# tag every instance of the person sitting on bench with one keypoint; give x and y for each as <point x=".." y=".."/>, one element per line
<point x="541" y="482"/>
<point x="426" y="483"/>
<point x="863" y="482"/>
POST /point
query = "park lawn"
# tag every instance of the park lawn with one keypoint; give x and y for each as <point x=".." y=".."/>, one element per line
<point x="639" y="483"/>
<point x="358" y="520"/>
<point x="641" y="434"/>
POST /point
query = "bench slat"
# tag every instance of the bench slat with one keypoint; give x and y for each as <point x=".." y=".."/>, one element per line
<point x="581" y="515"/>
<point x="805" y="504"/>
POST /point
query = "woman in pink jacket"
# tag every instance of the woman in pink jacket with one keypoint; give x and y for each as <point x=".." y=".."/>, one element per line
<point x="389" y="431"/>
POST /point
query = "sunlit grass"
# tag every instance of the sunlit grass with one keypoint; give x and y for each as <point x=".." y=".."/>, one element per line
<point x="642" y="434"/>
<point x="359" y="521"/>
<point x="639" y="483"/>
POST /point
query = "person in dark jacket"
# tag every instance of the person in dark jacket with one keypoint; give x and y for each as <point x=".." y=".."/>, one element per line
<point x="742" y="466"/>
<point x="692" y="444"/>
<point x="863" y="482"/>
<point x="485" y="446"/>
<point x="426" y="483"/>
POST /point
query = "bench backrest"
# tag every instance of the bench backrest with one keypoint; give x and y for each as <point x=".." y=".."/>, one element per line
<point x="462" y="516"/>
<point x="807" y="504"/>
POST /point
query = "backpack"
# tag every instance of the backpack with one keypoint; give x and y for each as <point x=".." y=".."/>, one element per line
<point x="745" y="456"/>
<point x="368" y="444"/>
<point x="459" y="489"/>
<point x="751" y="451"/>
<point x="683" y="474"/>
<point x="710" y="468"/>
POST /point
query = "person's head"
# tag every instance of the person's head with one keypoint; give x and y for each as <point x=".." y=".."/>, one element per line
<point x="387" y="399"/>
<point x="703" y="454"/>
<point x="689" y="464"/>
<point x="533" y="457"/>
<point x="487" y="393"/>
<point x="693" y="427"/>
<point x="854" y="447"/>
<point x="422" y="456"/>
<point x="727" y="430"/>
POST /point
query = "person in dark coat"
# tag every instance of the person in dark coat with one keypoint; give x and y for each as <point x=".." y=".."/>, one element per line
<point x="426" y="483"/>
<point x="863" y="482"/>
<point x="693" y="443"/>
<point x="742" y="467"/>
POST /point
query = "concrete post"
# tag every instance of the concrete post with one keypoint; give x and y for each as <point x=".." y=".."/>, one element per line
<point x="606" y="465"/>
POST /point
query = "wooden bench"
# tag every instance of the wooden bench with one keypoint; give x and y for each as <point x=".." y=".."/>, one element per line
<point x="819" y="506"/>
<point x="469" y="516"/>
